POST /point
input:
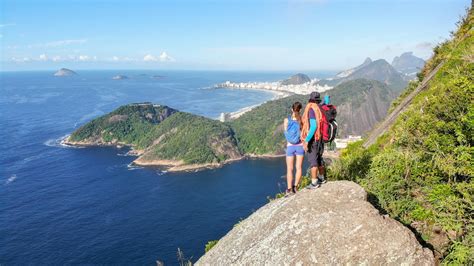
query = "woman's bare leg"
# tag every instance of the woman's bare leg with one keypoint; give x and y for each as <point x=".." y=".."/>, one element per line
<point x="289" y="171"/>
<point x="299" y="169"/>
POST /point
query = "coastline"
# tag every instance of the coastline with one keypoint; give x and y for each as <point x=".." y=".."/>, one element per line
<point x="174" y="166"/>
<point x="224" y="117"/>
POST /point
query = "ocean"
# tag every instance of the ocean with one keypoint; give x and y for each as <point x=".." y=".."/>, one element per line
<point x="63" y="205"/>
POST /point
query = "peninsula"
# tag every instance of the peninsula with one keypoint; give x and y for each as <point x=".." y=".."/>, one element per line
<point x="162" y="136"/>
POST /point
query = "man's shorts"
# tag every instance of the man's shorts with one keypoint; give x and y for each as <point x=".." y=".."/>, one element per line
<point x="315" y="153"/>
<point x="294" y="150"/>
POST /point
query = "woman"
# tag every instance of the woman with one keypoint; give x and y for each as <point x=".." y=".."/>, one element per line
<point x="294" y="148"/>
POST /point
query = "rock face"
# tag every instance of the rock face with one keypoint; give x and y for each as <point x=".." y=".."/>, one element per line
<point x="64" y="72"/>
<point x="333" y="225"/>
<point x="346" y="73"/>
<point x="379" y="70"/>
<point x="361" y="104"/>
<point x="296" y="79"/>
<point x="407" y="63"/>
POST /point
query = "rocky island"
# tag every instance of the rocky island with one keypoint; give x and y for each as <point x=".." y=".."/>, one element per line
<point x="64" y="72"/>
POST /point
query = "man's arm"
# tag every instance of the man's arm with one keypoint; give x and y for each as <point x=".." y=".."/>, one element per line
<point x="312" y="129"/>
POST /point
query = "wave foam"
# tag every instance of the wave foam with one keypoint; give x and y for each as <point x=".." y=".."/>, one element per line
<point x="132" y="167"/>
<point x="59" y="142"/>
<point x="10" y="179"/>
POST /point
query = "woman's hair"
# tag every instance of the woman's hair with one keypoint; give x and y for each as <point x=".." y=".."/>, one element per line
<point x="296" y="108"/>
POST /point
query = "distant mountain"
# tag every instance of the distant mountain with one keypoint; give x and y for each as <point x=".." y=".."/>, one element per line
<point x="64" y="72"/>
<point x="348" y="72"/>
<point x="361" y="104"/>
<point x="296" y="79"/>
<point x="408" y="64"/>
<point x="379" y="70"/>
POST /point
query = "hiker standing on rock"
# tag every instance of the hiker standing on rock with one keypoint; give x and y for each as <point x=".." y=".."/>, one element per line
<point x="294" y="148"/>
<point x="312" y="141"/>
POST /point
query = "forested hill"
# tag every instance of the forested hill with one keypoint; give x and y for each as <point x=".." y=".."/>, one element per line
<point x="420" y="171"/>
<point x="161" y="135"/>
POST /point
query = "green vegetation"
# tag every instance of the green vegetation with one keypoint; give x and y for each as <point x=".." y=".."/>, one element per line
<point x="356" y="90"/>
<point x="163" y="133"/>
<point x="193" y="139"/>
<point x="128" y="124"/>
<point x="420" y="171"/>
<point x="409" y="89"/>
<point x="210" y="245"/>
<point x="260" y="131"/>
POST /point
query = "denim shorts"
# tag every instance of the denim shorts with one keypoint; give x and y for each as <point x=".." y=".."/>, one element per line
<point x="294" y="150"/>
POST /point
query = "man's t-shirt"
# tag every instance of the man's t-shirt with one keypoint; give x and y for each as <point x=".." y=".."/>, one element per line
<point x="311" y="114"/>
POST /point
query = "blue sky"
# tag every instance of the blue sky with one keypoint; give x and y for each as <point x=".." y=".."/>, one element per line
<point x="221" y="35"/>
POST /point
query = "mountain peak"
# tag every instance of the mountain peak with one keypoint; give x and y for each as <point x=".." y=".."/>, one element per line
<point x="407" y="63"/>
<point x="296" y="79"/>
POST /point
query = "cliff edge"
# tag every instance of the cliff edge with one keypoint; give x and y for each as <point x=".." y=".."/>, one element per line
<point x="331" y="225"/>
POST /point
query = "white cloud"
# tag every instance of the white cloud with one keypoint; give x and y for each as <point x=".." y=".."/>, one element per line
<point x="424" y="45"/>
<point x="164" y="57"/>
<point x="84" y="58"/>
<point x="20" y="60"/>
<point x="115" y="58"/>
<point x="150" y="58"/>
<point x="56" y="58"/>
<point x="43" y="57"/>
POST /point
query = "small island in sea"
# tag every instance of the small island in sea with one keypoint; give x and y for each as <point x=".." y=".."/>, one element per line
<point x="64" y="72"/>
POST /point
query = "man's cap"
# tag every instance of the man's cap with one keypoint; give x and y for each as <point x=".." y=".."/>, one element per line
<point x="315" y="96"/>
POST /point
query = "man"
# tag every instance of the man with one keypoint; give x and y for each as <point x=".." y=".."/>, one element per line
<point x="311" y="137"/>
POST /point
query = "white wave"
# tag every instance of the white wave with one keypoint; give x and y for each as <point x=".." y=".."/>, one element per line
<point x="132" y="167"/>
<point x="126" y="154"/>
<point x="160" y="173"/>
<point x="59" y="143"/>
<point x="10" y="179"/>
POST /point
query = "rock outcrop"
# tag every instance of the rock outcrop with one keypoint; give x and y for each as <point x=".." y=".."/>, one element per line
<point x="64" y="72"/>
<point x="379" y="70"/>
<point x="407" y="63"/>
<point x="333" y="225"/>
<point x="296" y="79"/>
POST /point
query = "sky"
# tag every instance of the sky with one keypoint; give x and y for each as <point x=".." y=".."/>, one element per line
<point x="258" y="35"/>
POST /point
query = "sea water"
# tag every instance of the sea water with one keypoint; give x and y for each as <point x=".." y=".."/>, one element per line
<point x="88" y="205"/>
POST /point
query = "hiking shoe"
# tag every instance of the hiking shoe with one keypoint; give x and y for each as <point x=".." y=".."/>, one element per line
<point x="311" y="186"/>
<point x="288" y="193"/>
<point x="322" y="180"/>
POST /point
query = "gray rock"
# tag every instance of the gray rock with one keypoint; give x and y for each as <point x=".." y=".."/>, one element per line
<point x="296" y="79"/>
<point x="64" y="72"/>
<point x="332" y="225"/>
<point x="407" y="63"/>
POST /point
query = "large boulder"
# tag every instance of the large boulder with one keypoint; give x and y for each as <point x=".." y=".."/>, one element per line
<point x="333" y="225"/>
